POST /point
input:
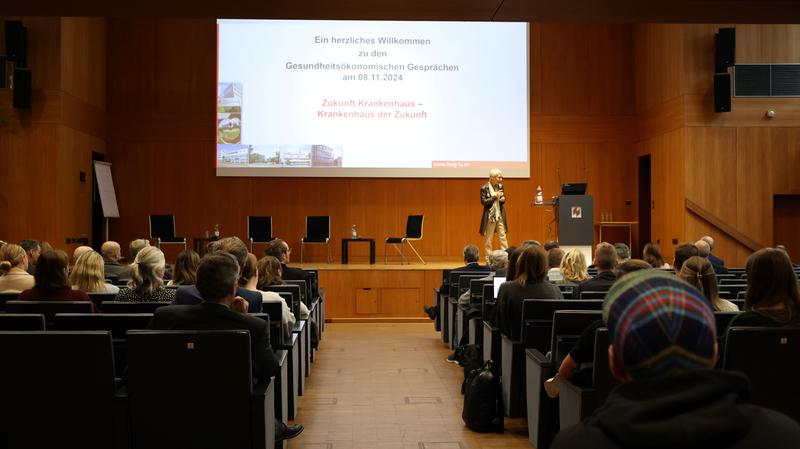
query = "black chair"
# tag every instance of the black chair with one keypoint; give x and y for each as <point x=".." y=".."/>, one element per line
<point x="566" y="290"/>
<point x="49" y="308"/>
<point x="131" y="307"/>
<point x="413" y="233"/>
<point x="304" y="297"/>
<point x="162" y="230"/>
<point x="593" y="295"/>
<point x="164" y="380"/>
<point x="291" y="294"/>
<point x="58" y="390"/>
<point x="21" y="322"/>
<point x="769" y="358"/>
<point x="318" y="232"/>
<point x="98" y="298"/>
<point x="5" y="297"/>
<point x="259" y="230"/>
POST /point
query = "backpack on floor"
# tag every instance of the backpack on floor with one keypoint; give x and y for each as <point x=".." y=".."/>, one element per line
<point x="471" y="358"/>
<point x="483" y="408"/>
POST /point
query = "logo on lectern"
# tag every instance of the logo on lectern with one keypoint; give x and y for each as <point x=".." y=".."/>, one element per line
<point x="577" y="212"/>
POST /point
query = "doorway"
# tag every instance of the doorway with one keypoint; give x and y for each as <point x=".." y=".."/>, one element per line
<point x="98" y="221"/>
<point x="645" y="200"/>
<point x="786" y="222"/>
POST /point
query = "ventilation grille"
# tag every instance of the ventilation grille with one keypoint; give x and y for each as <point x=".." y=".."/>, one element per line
<point x="766" y="80"/>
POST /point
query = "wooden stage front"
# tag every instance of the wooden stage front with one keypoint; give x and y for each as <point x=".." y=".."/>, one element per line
<point x="360" y="292"/>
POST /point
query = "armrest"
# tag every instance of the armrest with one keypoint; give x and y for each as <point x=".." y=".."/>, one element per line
<point x="575" y="403"/>
<point x="122" y="431"/>
<point x="538" y="358"/>
<point x="262" y="414"/>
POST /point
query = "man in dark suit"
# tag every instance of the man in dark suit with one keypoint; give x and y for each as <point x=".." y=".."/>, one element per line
<point x="112" y="252"/>
<point x="605" y="258"/>
<point x="221" y="309"/>
<point x="715" y="261"/>
<point x="280" y="250"/>
<point x="704" y="250"/>
<point x="189" y="294"/>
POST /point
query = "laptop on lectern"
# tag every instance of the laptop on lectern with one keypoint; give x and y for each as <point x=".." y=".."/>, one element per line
<point x="575" y="188"/>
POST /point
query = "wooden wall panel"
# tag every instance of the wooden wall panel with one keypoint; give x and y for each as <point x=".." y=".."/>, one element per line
<point x="83" y="59"/>
<point x="767" y="44"/>
<point x="659" y="64"/>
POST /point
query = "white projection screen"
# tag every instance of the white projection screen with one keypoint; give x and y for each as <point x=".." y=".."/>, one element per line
<point x="372" y="99"/>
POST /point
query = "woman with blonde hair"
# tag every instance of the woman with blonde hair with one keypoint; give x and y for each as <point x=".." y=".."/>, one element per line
<point x="147" y="283"/>
<point x="573" y="267"/>
<point x="88" y="274"/>
<point x="14" y="276"/>
<point x="699" y="273"/>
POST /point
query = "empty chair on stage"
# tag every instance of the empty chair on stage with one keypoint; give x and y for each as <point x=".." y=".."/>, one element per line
<point x="162" y="230"/>
<point x="318" y="232"/>
<point x="413" y="233"/>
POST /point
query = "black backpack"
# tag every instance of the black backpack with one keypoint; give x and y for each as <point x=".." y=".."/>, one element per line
<point x="471" y="358"/>
<point x="483" y="408"/>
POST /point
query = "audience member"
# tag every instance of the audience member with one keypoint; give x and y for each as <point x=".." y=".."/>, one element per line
<point x="32" y="249"/>
<point x="112" y="253"/>
<point x="249" y="280"/>
<point x="147" y="278"/>
<point x="554" y="257"/>
<point x="513" y="256"/>
<point x="14" y="276"/>
<point x="498" y="262"/>
<point x="550" y="244"/>
<point x="185" y="268"/>
<point x="663" y="349"/>
<point x="699" y="273"/>
<point x="716" y="261"/>
<point x="531" y="282"/>
<point x="704" y="251"/>
<point x="51" y="281"/>
<point x="605" y="258"/>
<point x="682" y="253"/>
<point x="772" y="297"/>
<point x="79" y="251"/>
<point x="471" y="256"/>
<point x="189" y="294"/>
<point x="577" y="366"/>
<point x="270" y="272"/>
<point x="221" y="309"/>
<point x="280" y="250"/>
<point x="135" y="246"/>
<point x="623" y="252"/>
<point x="652" y="255"/>
<point x="88" y="274"/>
<point x="46" y="246"/>
<point x="573" y="267"/>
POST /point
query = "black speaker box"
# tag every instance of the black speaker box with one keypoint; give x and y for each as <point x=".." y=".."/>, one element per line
<point x="724" y="49"/>
<point x="16" y="42"/>
<point x="722" y="92"/>
<point x="22" y="88"/>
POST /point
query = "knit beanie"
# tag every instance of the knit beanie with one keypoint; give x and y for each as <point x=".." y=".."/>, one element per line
<point x="659" y="325"/>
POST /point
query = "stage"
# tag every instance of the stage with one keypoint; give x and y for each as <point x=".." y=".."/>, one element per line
<point x="360" y="292"/>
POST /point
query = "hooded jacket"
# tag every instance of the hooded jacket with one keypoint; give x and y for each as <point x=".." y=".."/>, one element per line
<point x="702" y="409"/>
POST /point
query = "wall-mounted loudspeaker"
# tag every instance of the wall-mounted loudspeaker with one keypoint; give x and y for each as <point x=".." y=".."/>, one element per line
<point x="722" y="92"/>
<point x="22" y="88"/>
<point x="724" y="49"/>
<point x="16" y="42"/>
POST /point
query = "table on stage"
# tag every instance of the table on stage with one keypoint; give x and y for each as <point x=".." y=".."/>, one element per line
<point x="346" y="244"/>
<point x="617" y="224"/>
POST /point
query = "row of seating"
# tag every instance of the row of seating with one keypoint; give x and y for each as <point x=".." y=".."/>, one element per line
<point x="72" y="380"/>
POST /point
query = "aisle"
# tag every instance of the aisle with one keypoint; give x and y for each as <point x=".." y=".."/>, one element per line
<point x="387" y="386"/>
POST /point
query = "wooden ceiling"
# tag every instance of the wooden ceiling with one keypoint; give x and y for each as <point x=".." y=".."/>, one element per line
<point x="676" y="11"/>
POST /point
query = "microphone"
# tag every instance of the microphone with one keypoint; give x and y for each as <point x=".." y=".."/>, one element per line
<point x="499" y="186"/>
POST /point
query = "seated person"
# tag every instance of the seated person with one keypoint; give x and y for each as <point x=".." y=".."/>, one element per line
<point x="147" y="278"/>
<point x="605" y="257"/>
<point x="185" y="268"/>
<point x="32" y="249"/>
<point x="79" y="251"/>
<point x="663" y="350"/>
<point x="471" y="256"/>
<point x="682" y="253"/>
<point x="498" y="260"/>
<point x="716" y="261"/>
<point x="554" y="258"/>
<point x="280" y="250"/>
<point x="270" y="272"/>
<point x="88" y="274"/>
<point x="14" y="276"/>
<point x="652" y="255"/>
<point x="530" y="283"/>
<point x="112" y="253"/>
<point x="221" y="309"/>
<point x="772" y="298"/>
<point x="135" y="246"/>
<point x="51" y="281"/>
<point x="704" y="251"/>
<point x="623" y="252"/>
<point x="573" y="267"/>
<point x="699" y="273"/>
<point x="188" y="294"/>
<point x="249" y="281"/>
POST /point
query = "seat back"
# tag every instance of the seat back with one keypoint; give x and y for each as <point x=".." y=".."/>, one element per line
<point x="21" y="322"/>
<point x="131" y="307"/>
<point x="602" y="379"/>
<point x="488" y="303"/>
<point x="453" y="277"/>
<point x="537" y="319"/>
<point x="593" y="295"/>
<point x="57" y="389"/>
<point x="566" y="290"/>
<point x="318" y="228"/>
<point x="414" y="227"/>
<point x="162" y="226"/>
<point x="303" y="289"/>
<point x="5" y="297"/>
<point x="275" y="330"/>
<point x="118" y="324"/>
<point x="769" y="358"/>
<point x="292" y="301"/>
<point x="259" y="229"/>
<point x="49" y="308"/>
<point x="274" y="311"/>
<point x="568" y="325"/>
<point x="723" y="319"/>
<point x="464" y="282"/>
<point x="189" y="389"/>
<point x="476" y="290"/>
<point x="98" y="298"/>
